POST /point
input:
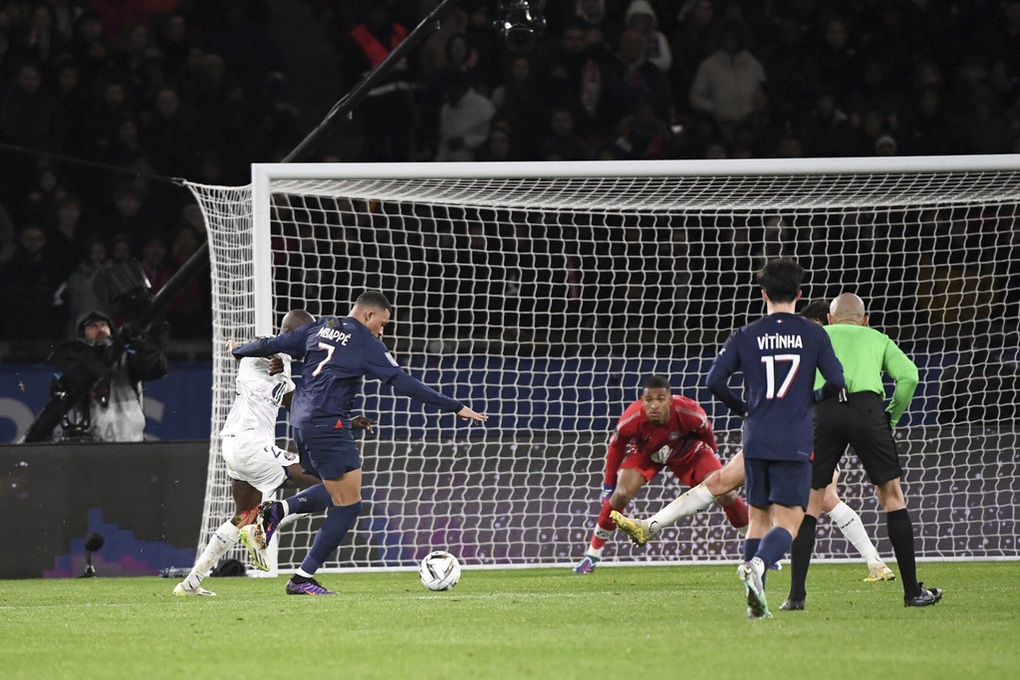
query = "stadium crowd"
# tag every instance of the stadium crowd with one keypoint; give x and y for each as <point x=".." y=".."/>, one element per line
<point x="199" y="90"/>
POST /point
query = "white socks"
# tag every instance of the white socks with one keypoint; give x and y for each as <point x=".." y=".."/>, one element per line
<point x="849" y="522"/>
<point x="690" y="503"/>
<point x="223" y="539"/>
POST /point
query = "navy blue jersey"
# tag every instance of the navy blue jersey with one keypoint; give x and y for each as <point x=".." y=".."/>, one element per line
<point x="339" y="354"/>
<point x="777" y="356"/>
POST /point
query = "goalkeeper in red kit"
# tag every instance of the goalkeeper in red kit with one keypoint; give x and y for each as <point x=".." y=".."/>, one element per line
<point x="659" y="430"/>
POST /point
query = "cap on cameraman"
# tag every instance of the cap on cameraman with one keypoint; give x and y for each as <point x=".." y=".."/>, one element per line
<point x="91" y="317"/>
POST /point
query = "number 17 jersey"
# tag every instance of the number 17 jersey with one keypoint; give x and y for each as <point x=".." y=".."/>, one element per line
<point x="777" y="356"/>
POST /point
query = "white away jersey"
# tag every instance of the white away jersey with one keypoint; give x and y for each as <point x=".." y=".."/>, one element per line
<point x="258" y="397"/>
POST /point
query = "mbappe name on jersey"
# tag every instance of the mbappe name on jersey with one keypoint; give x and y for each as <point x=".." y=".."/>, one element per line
<point x="334" y="334"/>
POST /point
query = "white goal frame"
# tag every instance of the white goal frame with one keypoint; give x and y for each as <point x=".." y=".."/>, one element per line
<point x="872" y="182"/>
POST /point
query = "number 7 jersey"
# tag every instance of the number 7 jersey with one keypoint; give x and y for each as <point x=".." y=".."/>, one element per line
<point x="777" y="356"/>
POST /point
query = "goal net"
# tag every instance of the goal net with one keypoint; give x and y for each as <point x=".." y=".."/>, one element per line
<point x="544" y="295"/>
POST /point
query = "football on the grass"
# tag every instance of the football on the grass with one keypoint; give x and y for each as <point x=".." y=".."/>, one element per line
<point x="439" y="570"/>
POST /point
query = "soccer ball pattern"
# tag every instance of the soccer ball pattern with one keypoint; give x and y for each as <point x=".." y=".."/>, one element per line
<point x="439" y="570"/>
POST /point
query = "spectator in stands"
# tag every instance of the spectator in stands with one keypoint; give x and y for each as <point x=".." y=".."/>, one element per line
<point x="30" y="282"/>
<point x="524" y="106"/>
<point x="174" y="41"/>
<point x="190" y="313"/>
<point x="386" y="113"/>
<point x="488" y="44"/>
<point x="928" y="131"/>
<point x="433" y="50"/>
<point x="461" y="61"/>
<point x="642" y="134"/>
<point x="167" y="131"/>
<point x="41" y="41"/>
<point x="642" y="18"/>
<point x="562" y="141"/>
<point x="154" y="262"/>
<point x="886" y="146"/>
<point x="869" y="126"/>
<point x="463" y="120"/>
<point x="827" y="130"/>
<point x="498" y="147"/>
<point x="725" y="82"/>
<point x="630" y="78"/>
<point x="600" y="29"/>
<point x="44" y="196"/>
<point x="82" y="293"/>
<point x="574" y="77"/>
<point x="72" y="106"/>
<point x="69" y="237"/>
<point x="26" y="110"/>
<point x="834" y="64"/>
<point x="691" y="42"/>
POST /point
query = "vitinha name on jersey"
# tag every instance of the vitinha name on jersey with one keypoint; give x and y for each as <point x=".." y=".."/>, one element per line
<point x="339" y="337"/>
<point x="777" y="341"/>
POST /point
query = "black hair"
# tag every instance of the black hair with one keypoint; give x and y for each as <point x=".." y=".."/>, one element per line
<point x="374" y="299"/>
<point x="816" y="310"/>
<point x="655" y="382"/>
<point x="781" y="279"/>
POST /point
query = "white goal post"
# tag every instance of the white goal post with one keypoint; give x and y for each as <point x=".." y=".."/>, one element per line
<point x="545" y="293"/>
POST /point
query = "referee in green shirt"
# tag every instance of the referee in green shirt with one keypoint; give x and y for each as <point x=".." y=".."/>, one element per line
<point x="865" y="423"/>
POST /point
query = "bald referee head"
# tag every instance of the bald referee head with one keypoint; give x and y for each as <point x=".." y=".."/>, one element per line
<point x="848" y="308"/>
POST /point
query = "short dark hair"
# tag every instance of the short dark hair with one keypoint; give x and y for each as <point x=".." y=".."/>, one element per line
<point x="781" y="279"/>
<point x="656" y="382"/>
<point x="374" y="299"/>
<point x="816" y="310"/>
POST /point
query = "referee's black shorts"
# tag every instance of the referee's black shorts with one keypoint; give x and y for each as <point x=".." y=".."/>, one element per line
<point x="862" y="423"/>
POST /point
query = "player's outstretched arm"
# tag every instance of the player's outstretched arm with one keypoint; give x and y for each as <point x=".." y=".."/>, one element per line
<point x="467" y="414"/>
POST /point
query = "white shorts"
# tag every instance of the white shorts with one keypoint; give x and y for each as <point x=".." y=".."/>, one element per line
<point x="251" y="459"/>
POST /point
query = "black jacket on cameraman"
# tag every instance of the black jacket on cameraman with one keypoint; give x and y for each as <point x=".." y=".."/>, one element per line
<point x="108" y="374"/>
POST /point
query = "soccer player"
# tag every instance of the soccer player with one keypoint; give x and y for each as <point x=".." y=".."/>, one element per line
<point x="255" y="465"/>
<point x="659" y="430"/>
<point x="339" y="353"/>
<point x="777" y="356"/>
<point x="862" y="421"/>
<point x="731" y="477"/>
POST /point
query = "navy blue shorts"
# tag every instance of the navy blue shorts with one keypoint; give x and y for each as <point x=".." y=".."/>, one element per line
<point x="783" y="482"/>
<point x="326" y="452"/>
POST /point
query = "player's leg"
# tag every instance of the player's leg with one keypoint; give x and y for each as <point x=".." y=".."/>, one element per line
<point x="268" y="467"/>
<point x="801" y="548"/>
<point x="695" y="500"/>
<point x="832" y="420"/>
<point x="246" y="503"/>
<point x="784" y="488"/>
<point x="901" y="535"/>
<point x="705" y="463"/>
<point x="273" y="515"/>
<point x="850" y="524"/>
<point x="629" y="481"/>
<point x="346" y="494"/>
<point x="333" y="455"/>
<point x="877" y="452"/>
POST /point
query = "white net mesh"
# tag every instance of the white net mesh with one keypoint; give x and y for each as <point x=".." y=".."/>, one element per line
<point x="546" y="301"/>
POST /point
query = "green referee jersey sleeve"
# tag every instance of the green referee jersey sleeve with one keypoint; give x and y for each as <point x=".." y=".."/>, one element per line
<point x="865" y="353"/>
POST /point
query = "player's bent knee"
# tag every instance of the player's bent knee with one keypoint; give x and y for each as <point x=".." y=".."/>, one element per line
<point x="245" y="517"/>
<point x="726" y="499"/>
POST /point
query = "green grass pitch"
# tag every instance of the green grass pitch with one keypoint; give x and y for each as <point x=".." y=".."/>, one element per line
<point x="617" y="623"/>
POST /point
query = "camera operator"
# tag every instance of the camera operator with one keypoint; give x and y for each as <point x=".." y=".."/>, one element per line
<point x="108" y="370"/>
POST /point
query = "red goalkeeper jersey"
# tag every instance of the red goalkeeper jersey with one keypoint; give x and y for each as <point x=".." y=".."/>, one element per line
<point x="687" y="427"/>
